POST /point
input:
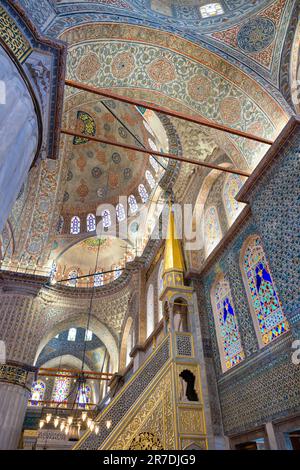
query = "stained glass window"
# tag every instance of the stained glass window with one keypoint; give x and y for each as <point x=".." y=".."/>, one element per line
<point x="91" y="223"/>
<point x="262" y="293"/>
<point x="120" y="212"/>
<point x="98" y="280"/>
<point x="61" y="388"/>
<point x="106" y="218"/>
<point x="150" y="179"/>
<point x="143" y="193"/>
<point x="212" y="9"/>
<point x="88" y="335"/>
<point x="37" y="393"/>
<point x="231" y="350"/>
<point x="212" y="229"/>
<point x="132" y="204"/>
<point x="154" y="163"/>
<point x="72" y="334"/>
<point x="72" y="278"/>
<point x="150" y="310"/>
<point x="231" y="187"/>
<point x="85" y="125"/>
<point x="75" y="225"/>
<point x="84" y="395"/>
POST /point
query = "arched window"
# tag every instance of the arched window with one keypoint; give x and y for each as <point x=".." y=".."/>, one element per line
<point x="160" y="285"/>
<point x="150" y="179"/>
<point x="98" y="280"/>
<point x="212" y="229"/>
<point x="88" y="335"/>
<point x="211" y="9"/>
<point x="52" y="271"/>
<point x="61" y="388"/>
<point x="72" y="278"/>
<point x="143" y="193"/>
<point x="83" y="395"/>
<point x="91" y="223"/>
<point x="148" y="127"/>
<point x="132" y="204"/>
<point x="106" y="218"/>
<point x="152" y="145"/>
<point x="269" y="319"/>
<point x="129" y="345"/>
<point x="118" y="272"/>
<point x="230" y="347"/>
<point x="72" y="334"/>
<point x="60" y="224"/>
<point x="37" y="393"/>
<point x="120" y="212"/>
<point x="150" y="310"/>
<point x="75" y="225"/>
<point x="154" y="163"/>
<point x="231" y="187"/>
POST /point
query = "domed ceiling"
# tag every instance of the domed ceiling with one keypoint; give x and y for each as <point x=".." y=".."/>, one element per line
<point x="98" y="172"/>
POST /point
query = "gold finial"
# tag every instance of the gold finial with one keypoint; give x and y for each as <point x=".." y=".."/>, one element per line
<point x="173" y="259"/>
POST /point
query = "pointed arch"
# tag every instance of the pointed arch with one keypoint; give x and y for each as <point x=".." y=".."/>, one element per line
<point x="232" y="185"/>
<point x="160" y="288"/>
<point x="268" y="317"/>
<point x="91" y="223"/>
<point x="226" y="324"/>
<point x="213" y="233"/>
<point x="150" y="310"/>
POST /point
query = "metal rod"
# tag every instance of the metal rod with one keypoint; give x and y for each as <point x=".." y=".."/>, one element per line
<point x="159" y="154"/>
<point x="176" y="114"/>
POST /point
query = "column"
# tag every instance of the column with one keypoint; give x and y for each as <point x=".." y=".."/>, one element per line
<point x="14" y="394"/>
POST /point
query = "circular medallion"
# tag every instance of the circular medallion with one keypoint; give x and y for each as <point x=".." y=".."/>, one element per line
<point x="96" y="172"/>
<point x="199" y="88"/>
<point x="122" y="132"/>
<point x="88" y="67"/>
<point x="161" y="71"/>
<point x="230" y="109"/>
<point x="116" y="158"/>
<point x="123" y="65"/>
<point x="256" y="34"/>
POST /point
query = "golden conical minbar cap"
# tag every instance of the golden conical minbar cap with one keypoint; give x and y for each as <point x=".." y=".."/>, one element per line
<point x="173" y="259"/>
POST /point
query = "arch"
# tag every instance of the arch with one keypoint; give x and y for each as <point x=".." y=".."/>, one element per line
<point x="132" y="204"/>
<point x="37" y="393"/>
<point x="124" y="342"/>
<point x="150" y="311"/>
<point x="121" y="214"/>
<point x="91" y="223"/>
<point x="143" y="193"/>
<point x="75" y="225"/>
<point x="265" y="306"/>
<point x="226" y="324"/>
<point x="232" y="185"/>
<point x="213" y="233"/>
<point x="98" y="328"/>
<point x="160" y="284"/>
<point x="150" y="179"/>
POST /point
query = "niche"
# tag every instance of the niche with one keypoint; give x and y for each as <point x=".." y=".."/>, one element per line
<point x="188" y="392"/>
<point x="180" y="310"/>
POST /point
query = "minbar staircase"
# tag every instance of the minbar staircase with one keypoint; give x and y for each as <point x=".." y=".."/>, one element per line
<point x="151" y="411"/>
